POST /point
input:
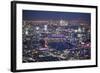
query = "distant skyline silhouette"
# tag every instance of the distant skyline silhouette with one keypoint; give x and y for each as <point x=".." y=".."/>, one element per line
<point x="53" y="15"/>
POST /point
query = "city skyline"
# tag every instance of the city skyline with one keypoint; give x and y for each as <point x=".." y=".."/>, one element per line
<point x="53" y="15"/>
<point x="56" y="36"/>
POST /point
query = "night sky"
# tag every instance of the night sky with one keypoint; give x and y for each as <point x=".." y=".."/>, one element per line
<point x="52" y="15"/>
